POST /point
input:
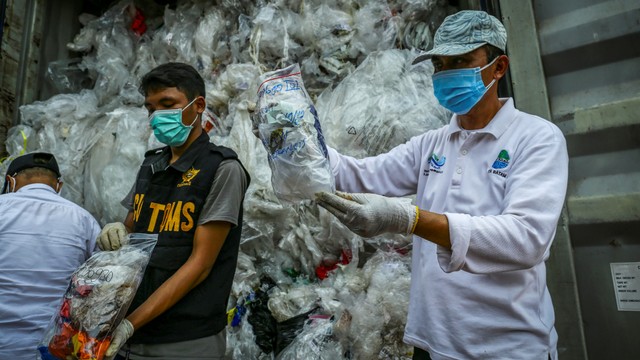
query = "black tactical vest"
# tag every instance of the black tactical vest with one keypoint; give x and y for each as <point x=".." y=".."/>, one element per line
<point x="168" y="200"/>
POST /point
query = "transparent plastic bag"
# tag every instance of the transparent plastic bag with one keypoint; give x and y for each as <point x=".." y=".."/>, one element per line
<point x="21" y="139"/>
<point x="290" y="132"/>
<point x="96" y="301"/>
<point x="67" y="76"/>
<point x="315" y="341"/>
<point x="381" y="105"/>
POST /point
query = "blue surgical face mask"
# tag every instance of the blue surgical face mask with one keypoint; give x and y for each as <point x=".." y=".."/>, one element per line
<point x="459" y="90"/>
<point x="168" y="127"/>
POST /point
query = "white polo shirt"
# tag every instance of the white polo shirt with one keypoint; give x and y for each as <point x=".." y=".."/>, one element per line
<point x="502" y="189"/>
<point x="44" y="238"/>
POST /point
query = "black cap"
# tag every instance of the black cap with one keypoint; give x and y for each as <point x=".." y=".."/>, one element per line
<point x="31" y="160"/>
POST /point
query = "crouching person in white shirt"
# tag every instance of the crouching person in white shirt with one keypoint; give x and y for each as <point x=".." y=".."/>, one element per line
<point x="44" y="238"/>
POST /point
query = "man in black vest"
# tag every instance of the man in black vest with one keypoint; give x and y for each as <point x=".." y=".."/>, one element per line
<point x="190" y="193"/>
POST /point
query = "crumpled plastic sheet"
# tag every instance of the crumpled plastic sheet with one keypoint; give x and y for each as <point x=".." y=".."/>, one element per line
<point x="108" y="171"/>
<point x="96" y="301"/>
<point x="66" y="126"/>
<point x="233" y="92"/>
<point x="382" y="104"/>
<point x="113" y="50"/>
<point x="383" y="308"/>
<point x="20" y="140"/>
<point x="371" y="301"/>
<point x="67" y="76"/>
<point x="316" y="341"/>
<point x="352" y="70"/>
<point x="286" y="304"/>
<point x="241" y="342"/>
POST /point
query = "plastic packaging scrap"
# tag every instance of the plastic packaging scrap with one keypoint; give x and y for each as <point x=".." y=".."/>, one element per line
<point x="272" y="334"/>
<point x="290" y="132"/>
<point x="20" y="139"/>
<point x="315" y="341"/>
<point x="111" y="165"/>
<point x="95" y="302"/>
<point x="380" y="105"/>
<point x="67" y="125"/>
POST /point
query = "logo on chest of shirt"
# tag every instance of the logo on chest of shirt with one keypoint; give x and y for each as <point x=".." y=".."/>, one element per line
<point x="501" y="163"/>
<point x="435" y="164"/>
<point x="188" y="176"/>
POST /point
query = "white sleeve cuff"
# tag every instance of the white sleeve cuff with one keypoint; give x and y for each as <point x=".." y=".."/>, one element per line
<point x="460" y="234"/>
<point x="334" y="160"/>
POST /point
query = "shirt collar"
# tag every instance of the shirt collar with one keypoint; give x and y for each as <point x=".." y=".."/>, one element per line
<point x="186" y="160"/>
<point x="497" y="126"/>
<point x="36" y="186"/>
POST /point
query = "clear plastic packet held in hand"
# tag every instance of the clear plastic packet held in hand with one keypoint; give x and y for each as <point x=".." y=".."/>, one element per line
<point x="290" y="132"/>
<point x="96" y="301"/>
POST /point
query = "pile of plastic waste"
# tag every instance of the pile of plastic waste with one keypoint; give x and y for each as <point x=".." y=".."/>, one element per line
<point x="305" y="285"/>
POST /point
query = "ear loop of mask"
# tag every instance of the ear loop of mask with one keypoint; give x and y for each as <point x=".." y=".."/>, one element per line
<point x="189" y="104"/>
<point x="194" y="121"/>
<point x="196" y="118"/>
<point x="58" y="187"/>
<point x="172" y="110"/>
<point x="486" y="66"/>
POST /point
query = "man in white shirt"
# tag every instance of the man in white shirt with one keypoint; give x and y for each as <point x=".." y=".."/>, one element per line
<point x="490" y="187"/>
<point x="44" y="238"/>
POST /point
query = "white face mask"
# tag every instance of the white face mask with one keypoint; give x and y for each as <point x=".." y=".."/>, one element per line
<point x="12" y="184"/>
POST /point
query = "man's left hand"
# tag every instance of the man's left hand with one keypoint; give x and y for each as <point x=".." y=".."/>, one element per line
<point x="119" y="337"/>
<point x="370" y="214"/>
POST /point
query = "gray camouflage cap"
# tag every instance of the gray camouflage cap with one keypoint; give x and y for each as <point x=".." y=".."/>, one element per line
<point x="464" y="32"/>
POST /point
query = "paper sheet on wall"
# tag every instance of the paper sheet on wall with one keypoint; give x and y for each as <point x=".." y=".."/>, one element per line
<point x="626" y="282"/>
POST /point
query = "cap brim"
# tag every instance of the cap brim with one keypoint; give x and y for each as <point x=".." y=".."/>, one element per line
<point x="447" y="50"/>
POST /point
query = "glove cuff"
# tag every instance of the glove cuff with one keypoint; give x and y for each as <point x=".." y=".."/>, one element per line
<point x="416" y="217"/>
<point x="128" y="327"/>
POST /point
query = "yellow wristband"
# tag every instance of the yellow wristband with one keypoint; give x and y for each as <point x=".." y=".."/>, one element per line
<point x="415" y="221"/>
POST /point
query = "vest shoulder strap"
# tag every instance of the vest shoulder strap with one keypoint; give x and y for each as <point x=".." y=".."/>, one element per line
<point x="155" y="151"/>
<point x="224" y="151"/>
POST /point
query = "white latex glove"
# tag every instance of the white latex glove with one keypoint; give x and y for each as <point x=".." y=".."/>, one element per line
<point x="112" y="236"/>
<point x="119" y="337"/>
<point x="370" y="214"/>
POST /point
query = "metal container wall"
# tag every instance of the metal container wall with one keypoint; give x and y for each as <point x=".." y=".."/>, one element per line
<point x="20" y="47"/>
<point x="35" y="32"/>
<point x="590" y="57"/>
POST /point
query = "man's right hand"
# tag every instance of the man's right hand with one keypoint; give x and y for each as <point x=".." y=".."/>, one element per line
<point x="112" y="236"/>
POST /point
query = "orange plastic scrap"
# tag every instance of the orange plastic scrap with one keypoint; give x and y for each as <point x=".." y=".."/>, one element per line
<point x="70" y="343"/>
<point x="100" y="348"/>
<point x="89" y="348"/>
<point x="60" y="345"/>
<point x="85" y="350"/>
